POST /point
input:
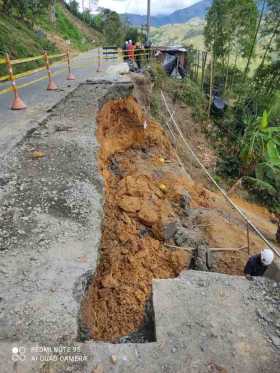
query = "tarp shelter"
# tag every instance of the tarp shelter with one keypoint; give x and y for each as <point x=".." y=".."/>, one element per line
<point x="174" y="61"/>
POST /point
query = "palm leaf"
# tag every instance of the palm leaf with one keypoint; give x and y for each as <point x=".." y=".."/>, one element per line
<point x="260" y="185"/>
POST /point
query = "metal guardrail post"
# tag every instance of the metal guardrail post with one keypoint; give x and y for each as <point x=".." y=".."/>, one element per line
<point x="98" y="62"/>
<point x="70" y="76"/>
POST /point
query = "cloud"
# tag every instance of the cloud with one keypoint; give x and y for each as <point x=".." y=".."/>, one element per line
<point x="140" y="6"/>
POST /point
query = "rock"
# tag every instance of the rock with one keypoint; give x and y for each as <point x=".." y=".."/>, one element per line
<point x="109" y="282"/>
<point x="116" y="92"/>
<point x="98" y="369"/>
<point x="147" y="214"/>
<point x="114" y="359"/>
<point x="185" y="201"/>
<point x="38" y="154"/>
<point x="183" y="237"/>
<point x="201" y="259"/>
<point x="275" y="340"/>
<point x="169" y="230"/>
<point x="130" y="204"/>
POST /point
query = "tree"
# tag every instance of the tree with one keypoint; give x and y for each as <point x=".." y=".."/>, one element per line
<point x="52" y="15"/>
<point x="253" y="45"/>
<point x="271" y="29"/>
<point x="131" y="33"/>
<point x="230" y="25"/>
<point x="29" y="9"/>
<point x="113" y="28"/>
<point x="74" y="7"/>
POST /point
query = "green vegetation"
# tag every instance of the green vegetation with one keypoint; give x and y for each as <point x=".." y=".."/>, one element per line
<point x="243" y="41"/>
<point x="65" y="28"/>
<point x="190" y="33"/>
<point x="108" y="22"/>
<point x="19" y="40"/>
<point x="185" y="90"/>
<point x="27" y="28"/>
<point x="248" y="136"/>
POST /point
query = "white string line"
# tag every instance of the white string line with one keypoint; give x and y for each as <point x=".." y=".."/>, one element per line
<point x="238" y="209"/>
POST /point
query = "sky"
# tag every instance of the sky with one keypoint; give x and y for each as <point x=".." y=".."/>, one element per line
<point x="140" y="6"/>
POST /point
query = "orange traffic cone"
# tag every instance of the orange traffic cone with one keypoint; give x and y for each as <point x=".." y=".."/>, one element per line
<point x="17" y="103"/>
<point x="71" y="76"/>
<point x="51" y="86"/>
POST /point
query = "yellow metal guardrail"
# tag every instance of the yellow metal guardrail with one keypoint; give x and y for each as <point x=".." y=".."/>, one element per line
<point x="18" y="104"/>
<point x="120" y="54"/>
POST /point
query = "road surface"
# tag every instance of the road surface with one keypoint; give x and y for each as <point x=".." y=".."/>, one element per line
<point x="15" y="124"/>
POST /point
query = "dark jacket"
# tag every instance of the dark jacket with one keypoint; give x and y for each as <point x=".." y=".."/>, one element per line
<point x="254" y="266"/>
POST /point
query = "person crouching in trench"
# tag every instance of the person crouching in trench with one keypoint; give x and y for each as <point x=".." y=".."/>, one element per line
<point x="258" y="264"/>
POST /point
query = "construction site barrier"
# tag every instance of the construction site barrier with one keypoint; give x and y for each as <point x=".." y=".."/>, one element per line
<point x="103" y="55"/>
<point x="51" y="84"/>
<point x="17" y="103"/>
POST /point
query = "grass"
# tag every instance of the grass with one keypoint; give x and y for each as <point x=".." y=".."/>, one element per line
<point x="19" y="39"/>
<point x="190" y="33"/>
<point x="183" y="90"/>
<point x="66" y="29"/>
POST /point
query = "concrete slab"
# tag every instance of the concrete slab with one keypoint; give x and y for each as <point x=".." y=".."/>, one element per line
<point x="216" y="316"/>
<point x="205" y="322"/>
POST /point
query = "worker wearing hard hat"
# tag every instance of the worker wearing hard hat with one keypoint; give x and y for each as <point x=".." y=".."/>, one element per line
<point x="258" y="264"/>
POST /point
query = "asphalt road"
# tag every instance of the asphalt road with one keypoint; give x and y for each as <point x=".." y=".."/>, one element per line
<point x="15" y="124"/>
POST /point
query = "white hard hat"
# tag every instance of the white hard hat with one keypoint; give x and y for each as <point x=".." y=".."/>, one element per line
<point x="267" y="257"/>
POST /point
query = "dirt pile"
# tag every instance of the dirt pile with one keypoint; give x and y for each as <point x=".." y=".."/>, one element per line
<point x="141" y="199"/>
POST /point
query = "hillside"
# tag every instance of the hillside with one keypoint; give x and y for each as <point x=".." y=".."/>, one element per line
<point x="197" y="10"/>
<point x="19" y="39"/>
<point x="190" y="33"/>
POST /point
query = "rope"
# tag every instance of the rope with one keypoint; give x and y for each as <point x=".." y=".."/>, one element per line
<point x="241" y="213"/>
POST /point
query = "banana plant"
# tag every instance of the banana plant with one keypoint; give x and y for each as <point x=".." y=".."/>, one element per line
<point x="260" y="141"/>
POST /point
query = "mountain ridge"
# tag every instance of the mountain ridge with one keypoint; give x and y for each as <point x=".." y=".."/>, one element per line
<point x="197" y="10"/>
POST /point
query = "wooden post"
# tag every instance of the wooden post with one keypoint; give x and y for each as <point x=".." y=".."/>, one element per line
<point x="198" y="64"/>
<point x="248" y="238"/>
<point x="17" y="103"/>
<point x="204" y="62"/>
<point x="227" y="72"/>
<point x="211" y="83"/>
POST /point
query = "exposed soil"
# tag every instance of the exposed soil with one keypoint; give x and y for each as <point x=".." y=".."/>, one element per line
<point x="141" y="202"/>
<point x="222" y="226"/>
<point x="144" y="189"/>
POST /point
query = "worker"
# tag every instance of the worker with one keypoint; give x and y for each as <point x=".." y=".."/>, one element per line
<point x="138" y="55"/>
<point x="258" y="264"/>
<point x="130" y="49"/>
<point x="125" y="51"/>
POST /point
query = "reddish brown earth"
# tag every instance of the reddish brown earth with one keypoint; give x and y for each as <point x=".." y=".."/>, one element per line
<point x="136" y="209"/>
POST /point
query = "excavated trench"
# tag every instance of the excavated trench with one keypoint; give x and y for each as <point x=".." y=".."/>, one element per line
<point x="151" y="208"/>
<point x="141" y="199"/>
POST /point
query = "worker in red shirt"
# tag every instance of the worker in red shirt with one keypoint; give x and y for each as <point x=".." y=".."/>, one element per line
<point x="130" y="50"/>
